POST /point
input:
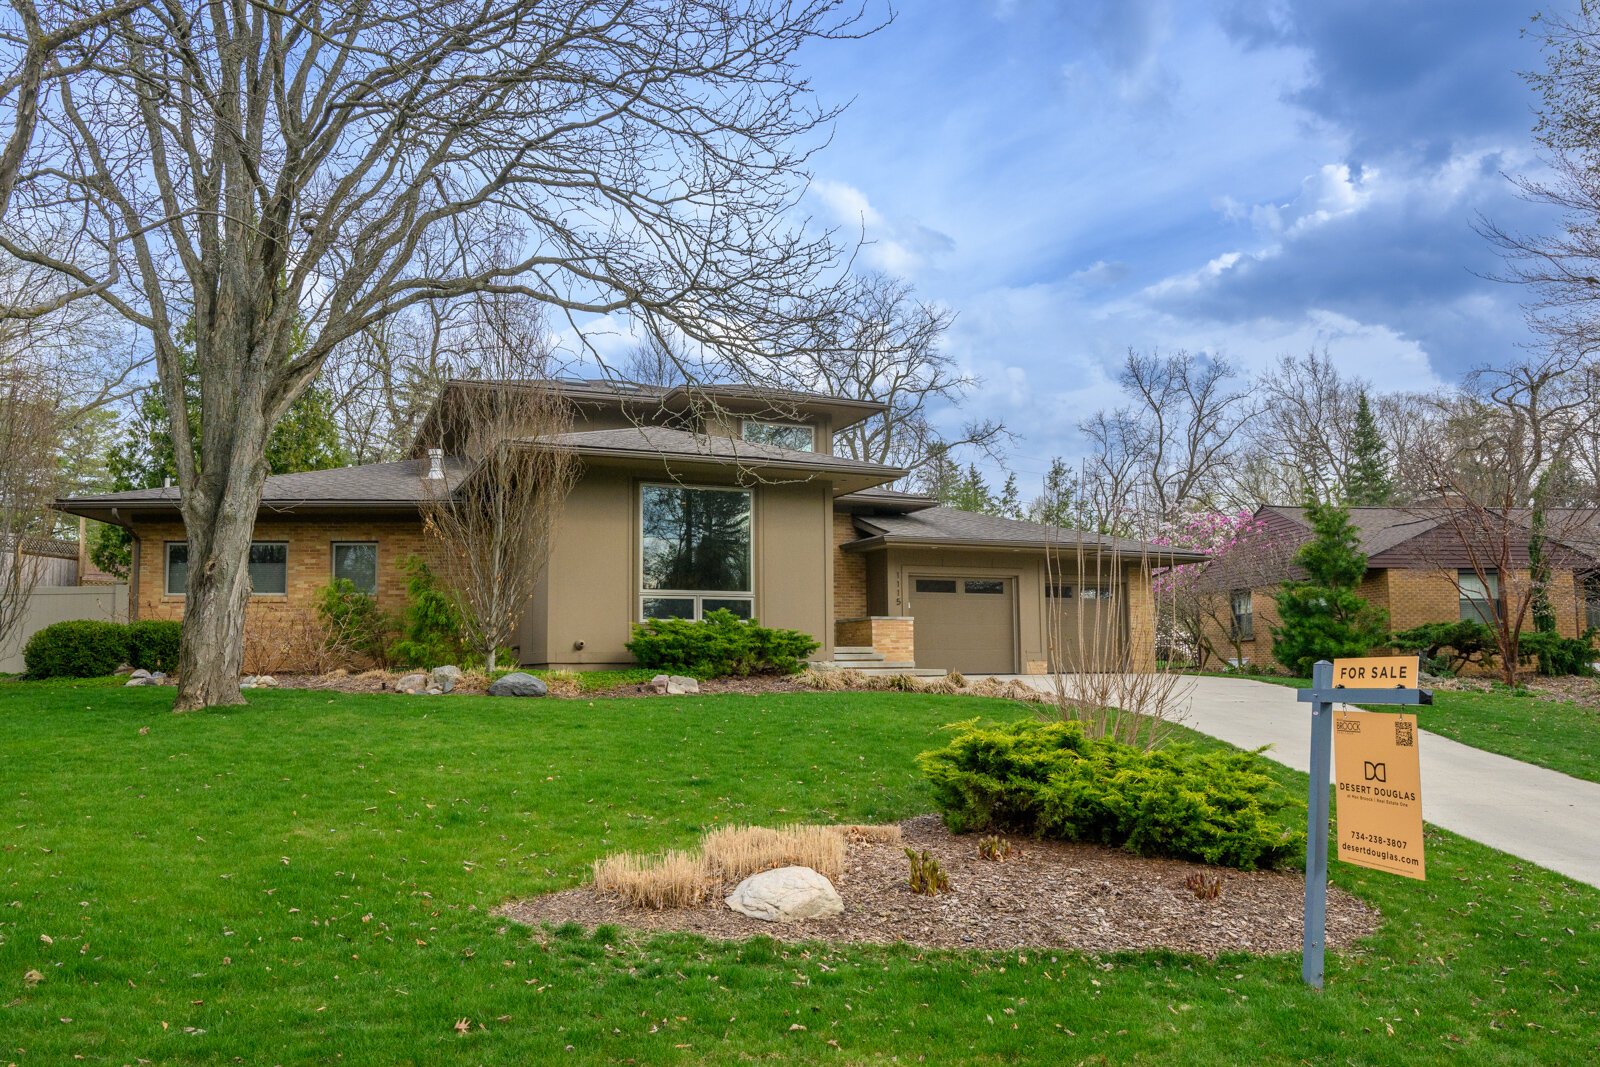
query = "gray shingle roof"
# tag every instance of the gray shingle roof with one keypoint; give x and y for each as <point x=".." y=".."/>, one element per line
<point x="951" y="526"/>
<point x="661" y="441"/>
<point x="375" y="484"/>
<point x="1380" y="529"/>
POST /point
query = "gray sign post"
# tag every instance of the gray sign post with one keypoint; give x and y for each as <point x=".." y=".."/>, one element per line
<point x="1321" y="697"/>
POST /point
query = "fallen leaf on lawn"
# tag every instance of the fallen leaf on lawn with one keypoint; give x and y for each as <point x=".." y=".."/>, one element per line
<point x="47" y="939"/>
<point x="143" y="730"/>
<point x="32" y="977"/>
<point x="795" y="1026"/>
<point x="502" y="1018"/>
<point x="463" y="1026"/>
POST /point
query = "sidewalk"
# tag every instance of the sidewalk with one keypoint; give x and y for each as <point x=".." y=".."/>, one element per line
<point x="1536" y="814"/>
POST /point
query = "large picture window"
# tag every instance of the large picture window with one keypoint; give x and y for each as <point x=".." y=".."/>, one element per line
<point x="789" y="435"/>
<point x="1478" y="597"/>
<point x="269" y="568"/>
<point x="695" y="552"/>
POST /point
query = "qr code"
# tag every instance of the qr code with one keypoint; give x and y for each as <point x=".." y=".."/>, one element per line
<point x="1405" y="735"/>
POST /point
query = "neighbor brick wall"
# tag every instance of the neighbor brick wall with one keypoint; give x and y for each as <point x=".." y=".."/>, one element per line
<point x="310" y="561"/>
<point x="849" y="572"/>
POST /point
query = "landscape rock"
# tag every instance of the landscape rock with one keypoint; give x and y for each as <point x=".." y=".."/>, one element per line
<point x="673" y="685"/>
<point x="434" y="691"/>
<point x="411" y="683"/>
<point x="266" y="681"/>
<point x="139" y="675"/>
<point x="158" y="678"/>
<point x="136" y="681"/>
<point x="786" y="895"/>
<point x="444" y="678"/>
<point x="126" y="668"/>
<point x="518" y="684"/>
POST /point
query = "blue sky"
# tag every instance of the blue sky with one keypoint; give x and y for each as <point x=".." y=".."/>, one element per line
<point x="1250" y="177"/>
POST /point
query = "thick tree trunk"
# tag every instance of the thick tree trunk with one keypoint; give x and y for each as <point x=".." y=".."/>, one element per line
<point x="212" y="652"/>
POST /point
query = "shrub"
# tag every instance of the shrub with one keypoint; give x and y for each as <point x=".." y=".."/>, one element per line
<point x="153" y="644"/>
<point x="1051" y="780"/>
<point x="353" y="622"/>
<point x="78" y="648"/>
<point x="1557" y="655"/>
<point x="721" y="644"/>
<point x="1467" y="642"/>
<point x="430" y="628"/>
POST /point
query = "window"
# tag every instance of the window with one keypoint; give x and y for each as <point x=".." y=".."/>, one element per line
<point x="177" y="567"/>
<point x="1097" y="592"/>
<point x="936" y="585"/>
<point x="695" y="552"/>
<point x="781" y="434"/>
<point x="1591" y="600"/>
<point x="985" y="585"/>
<point x="1244" y="619"/>
<point x="357" y="563"/>
<point x="1477" y="596"/>
<point x="1058" y="591"/>
<point x="269" y="567"/>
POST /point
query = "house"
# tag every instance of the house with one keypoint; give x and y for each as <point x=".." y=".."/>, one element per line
<point x="1420" y="570"/>
<point x="690" y="500"/>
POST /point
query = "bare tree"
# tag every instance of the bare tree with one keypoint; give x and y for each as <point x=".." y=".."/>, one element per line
<point x="1171" y="444"/>
<point x="300" y="172"/>
<point x="28" y="484"/>
<point x="494" y="525"/>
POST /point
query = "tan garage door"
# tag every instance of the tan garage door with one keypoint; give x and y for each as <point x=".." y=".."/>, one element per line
<point x="1088" y="628"/>
<point x="965" y="624"/>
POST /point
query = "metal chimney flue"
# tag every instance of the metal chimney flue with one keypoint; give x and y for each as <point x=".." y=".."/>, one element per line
<point x="436" y="463"/>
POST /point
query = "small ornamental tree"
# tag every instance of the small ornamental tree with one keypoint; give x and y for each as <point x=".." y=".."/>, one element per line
<point x="1195" y="600"/>
<point x="1322" y="616"/>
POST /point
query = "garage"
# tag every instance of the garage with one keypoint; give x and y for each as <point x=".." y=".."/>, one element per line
<point x="1087" y="625"/>
<point x="966" y="624"/>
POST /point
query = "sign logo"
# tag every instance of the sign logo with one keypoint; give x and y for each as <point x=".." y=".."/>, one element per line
<point x="1375" y="772"/>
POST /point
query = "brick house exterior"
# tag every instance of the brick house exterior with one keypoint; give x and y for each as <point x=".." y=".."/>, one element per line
<point x="1414" y="564"/>
<point x="827" y="550"/>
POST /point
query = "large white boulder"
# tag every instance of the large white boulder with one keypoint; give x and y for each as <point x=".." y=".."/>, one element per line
<point x="785" y="895"/>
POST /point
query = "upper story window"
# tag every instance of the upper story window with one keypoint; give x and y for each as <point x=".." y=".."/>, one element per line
<point x="269" y="568"/>
<point x="357" y="563"/>
<point x="1478" y="595"/>
<point x="792" y="435"/>
<point x="695" y="552"/>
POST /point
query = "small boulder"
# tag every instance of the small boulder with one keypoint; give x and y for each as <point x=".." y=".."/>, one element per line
<point x="444" y="678"/>
<point x="136" y="681"/>
<point x="518" y="684"/>
<point x="786" y="895"/>
<point x="266" y="681"/>
<point x="139" y="675"/>
<point x="158" y="678"/>
<point x="126" y="668"/>
<point x="411" y="683"/>
<point x="673" y="685"/>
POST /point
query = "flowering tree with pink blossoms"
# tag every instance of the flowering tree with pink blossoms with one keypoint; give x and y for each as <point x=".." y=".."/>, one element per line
<point x="1195" y="608"/>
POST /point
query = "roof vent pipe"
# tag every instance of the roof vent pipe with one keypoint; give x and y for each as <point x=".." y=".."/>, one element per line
<point x="436" y="463"/>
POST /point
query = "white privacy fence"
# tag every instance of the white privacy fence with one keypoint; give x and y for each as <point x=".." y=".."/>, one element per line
<point x="48" y="604"/>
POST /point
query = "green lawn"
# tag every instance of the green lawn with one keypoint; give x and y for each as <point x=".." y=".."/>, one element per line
<point x="1560" y="735"/>
<point x="309" y="880"/>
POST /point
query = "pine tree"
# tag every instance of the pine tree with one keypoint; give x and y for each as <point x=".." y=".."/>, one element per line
<point x="939" y="475"/>
<point x="1008" y="504"/>
<point x="1057" y="505"/>
<point x="1321" y="616"/>
<point x="1368" y="483"/>
<point x="971" y="492"/>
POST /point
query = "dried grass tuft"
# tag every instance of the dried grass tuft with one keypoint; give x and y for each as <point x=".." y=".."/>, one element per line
<point x="736" y="852"/>
<point x="672" y="880"/>
<point x="563" y="683"/>
<point x="872" y="834"/>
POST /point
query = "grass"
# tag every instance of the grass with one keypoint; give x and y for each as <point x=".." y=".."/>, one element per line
<point x="1557" y="734"/>
<point x="309" y="879"/>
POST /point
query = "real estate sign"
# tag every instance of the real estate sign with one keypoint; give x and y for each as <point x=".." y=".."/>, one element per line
<point x="1376" y="672"/>
<point x="1379" y="788"/>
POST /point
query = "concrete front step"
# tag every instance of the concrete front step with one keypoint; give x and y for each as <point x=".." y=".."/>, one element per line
<point x="881" y="669"/>
<point x="854" y="650"/>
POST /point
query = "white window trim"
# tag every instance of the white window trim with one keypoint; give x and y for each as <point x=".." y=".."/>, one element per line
<point x="697" y="595"/>
<point x="333" y="557"/>
<point x="745" y="424"/>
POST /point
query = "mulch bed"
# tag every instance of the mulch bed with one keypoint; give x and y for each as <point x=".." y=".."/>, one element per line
<point x="379" y="682"/>
<point x="1045" y="895"/>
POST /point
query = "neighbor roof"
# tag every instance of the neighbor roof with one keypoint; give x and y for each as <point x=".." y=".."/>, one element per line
<point x="1396" y="537"/>
<point x="370" y="486"/>
<point x="1379" y="529"/>
<point x="950" y="526"/>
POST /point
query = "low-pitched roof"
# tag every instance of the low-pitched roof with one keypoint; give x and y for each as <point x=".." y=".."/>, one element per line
<point x="1421" y="536"/>
<point x="881" y="499"/>
<point x="375" y="486"/>
<point x="681" y="446"/>
<point x="953" y="527"/>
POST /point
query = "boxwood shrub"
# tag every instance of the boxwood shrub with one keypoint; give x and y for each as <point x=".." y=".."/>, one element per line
<point x="153" y="644"/>
<point x="720" y="645"/>
<point x="1050" y="780"/>
<point x="78" y="648"/>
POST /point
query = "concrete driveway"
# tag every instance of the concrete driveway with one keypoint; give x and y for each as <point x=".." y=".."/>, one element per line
<point x="1539" y="815"/>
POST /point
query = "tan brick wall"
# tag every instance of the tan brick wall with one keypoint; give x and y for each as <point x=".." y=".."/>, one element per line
<point x="892" y="637"/>
<point x="849" y="572"/>
<point x="1141" y="620"/>
<point x="310" y="561"/>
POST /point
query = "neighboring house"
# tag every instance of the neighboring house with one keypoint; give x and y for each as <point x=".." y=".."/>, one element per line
<point x="1419" y="571"/>
<point x="690" y="500"/>
<point x="49" y="562"/>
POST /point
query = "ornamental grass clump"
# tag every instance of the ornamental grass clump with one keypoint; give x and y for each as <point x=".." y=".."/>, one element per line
<point x="671" y="880"/>
<point x="1050" y="780"/>
<point x="736" y="852"/>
